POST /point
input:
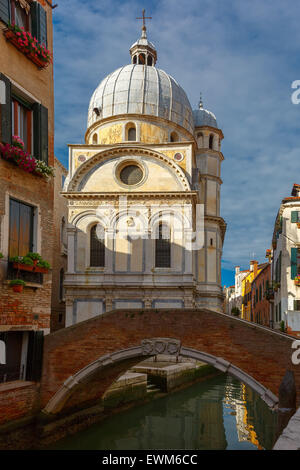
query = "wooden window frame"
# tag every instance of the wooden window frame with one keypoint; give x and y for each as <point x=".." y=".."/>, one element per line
<point x="13" y="6"/>
<point x="16" y="103"/>
<point x="31" y="228"/>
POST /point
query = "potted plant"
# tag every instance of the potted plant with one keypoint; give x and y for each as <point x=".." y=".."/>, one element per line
<point x="298" y="224"/>
<point x="42" y="267"/>
<point x="39" y="264"/>
<point x="297" y="280"/>
<point x="35" y="257"/>
<point x="1" y="255"/>
<point x="17" y="285"/>
<point x="22" y="263"/>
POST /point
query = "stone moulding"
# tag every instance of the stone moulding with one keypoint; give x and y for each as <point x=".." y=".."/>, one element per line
<point x="106" y="155"/>
<point x="151" y="347"/>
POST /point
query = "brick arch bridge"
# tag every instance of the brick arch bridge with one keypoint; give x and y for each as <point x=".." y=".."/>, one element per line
<point x="81" y="361"/>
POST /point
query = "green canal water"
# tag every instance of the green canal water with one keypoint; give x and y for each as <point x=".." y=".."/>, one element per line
<point x="219" y="413"/>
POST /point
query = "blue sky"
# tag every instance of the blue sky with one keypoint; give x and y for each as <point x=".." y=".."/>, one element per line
<point x="242" y="54"/>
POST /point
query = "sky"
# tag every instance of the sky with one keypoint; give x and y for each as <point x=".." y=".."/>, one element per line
<point x="243" y="55"/>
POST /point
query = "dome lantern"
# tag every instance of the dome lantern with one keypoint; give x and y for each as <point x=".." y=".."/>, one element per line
<point x="143" y="52"/>
<point x="203" y="117"/>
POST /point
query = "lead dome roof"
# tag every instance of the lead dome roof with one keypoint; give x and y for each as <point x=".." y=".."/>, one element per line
<point x="144" y="90"/>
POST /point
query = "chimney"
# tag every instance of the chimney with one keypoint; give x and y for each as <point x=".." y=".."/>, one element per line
<point x="237" y="270"/>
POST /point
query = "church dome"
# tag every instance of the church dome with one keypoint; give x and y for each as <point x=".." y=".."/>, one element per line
<point x="141" y="89"/>
<point x="203" y="117"/>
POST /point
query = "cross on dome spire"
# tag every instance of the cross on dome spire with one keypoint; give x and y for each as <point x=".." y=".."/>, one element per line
<point x="200" y="102"/>
<point x="143" y="52"/>
<point x="144" y="22"/>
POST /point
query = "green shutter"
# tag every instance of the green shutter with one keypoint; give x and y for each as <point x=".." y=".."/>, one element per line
<point x="5" y="11"/>
<point x="279" y="268"/>
<point x="39" y="23"/>
<point x="293" y="262"/>
<point x="35" y="356"/>
<point x="294" y="216"/>
<point x="40" y="132"/>
<point x="6" y="113"/>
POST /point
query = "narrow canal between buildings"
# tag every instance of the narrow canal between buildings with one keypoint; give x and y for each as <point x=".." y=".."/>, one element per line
<point x="219" y="413"/>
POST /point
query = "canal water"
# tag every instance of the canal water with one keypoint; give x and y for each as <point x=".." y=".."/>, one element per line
<point x="219" y="413"/>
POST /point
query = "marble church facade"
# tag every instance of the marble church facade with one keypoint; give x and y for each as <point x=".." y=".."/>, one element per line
<point x="137" y="189"/>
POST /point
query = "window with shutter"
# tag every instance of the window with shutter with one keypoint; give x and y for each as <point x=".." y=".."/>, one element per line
<point x="40" y="132"/>
<point x="20" y="228"/>
<point x="5" y="11"/>
<point x="294" y="252"/>
<point x="294" y="216"/>
<point x="6" y="112"/>
<point x="39" y="22"/>
<point x="22" y="124"/>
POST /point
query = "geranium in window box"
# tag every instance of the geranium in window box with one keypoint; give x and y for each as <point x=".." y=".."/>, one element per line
<point x="29" y="45"/>
<point x="16" y="154"/>
<point x="17" y="285"/>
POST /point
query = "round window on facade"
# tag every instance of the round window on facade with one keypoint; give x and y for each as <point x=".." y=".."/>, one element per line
<point x="131" y="174"/>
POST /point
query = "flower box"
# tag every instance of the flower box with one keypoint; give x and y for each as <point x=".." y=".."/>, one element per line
<point x="39" y="269"/>
<point x="28" y="45"/>
<point x="22" y="267"/>
<point x="16" y="154"/>
<point x="298" y="224"/>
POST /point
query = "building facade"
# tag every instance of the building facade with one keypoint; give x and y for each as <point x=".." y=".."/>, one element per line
<point x="59" y="264"/>
<point x="26" y="184"/>
<point x="149" y="169"/>
<point x="285" y="270"/>
<point x="260" y="304"/>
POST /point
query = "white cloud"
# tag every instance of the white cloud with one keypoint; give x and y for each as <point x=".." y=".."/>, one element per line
<point x="241" y="55"/>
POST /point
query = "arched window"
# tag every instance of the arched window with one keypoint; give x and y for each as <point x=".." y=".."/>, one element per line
<point x="163" y="247"/>
<point x="200" y="139"/>
<point x="134" y="59"/>
<point x="131" y="133"/>
<point x="211" y="141"/>
<point x="149" y="60"/>
<point x="142" y="59"/>
<point x="174" y="137"/>
<point x="97" y="247"/>
<point x="95" y="139"/>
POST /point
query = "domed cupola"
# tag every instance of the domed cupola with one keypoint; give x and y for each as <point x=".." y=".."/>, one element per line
<point x="203" y="117"/>
<point x="143" y="52"/>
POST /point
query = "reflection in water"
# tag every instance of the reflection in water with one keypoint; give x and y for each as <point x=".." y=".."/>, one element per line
<point x="220" y="413"/>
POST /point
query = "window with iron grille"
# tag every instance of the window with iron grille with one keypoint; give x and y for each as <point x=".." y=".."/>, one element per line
<point x="97" y="250"/>
<point x="163" y="247"/>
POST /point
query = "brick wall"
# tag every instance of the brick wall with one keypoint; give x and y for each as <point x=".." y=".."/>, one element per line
<point x="258" y="351"/>
<point x="32" y="301"/>
<point x="17" y="309"/>
<point x="17" y="399"/>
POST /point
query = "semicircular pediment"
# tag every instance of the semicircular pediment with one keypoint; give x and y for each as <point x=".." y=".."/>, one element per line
<point x="102" y="172"/>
